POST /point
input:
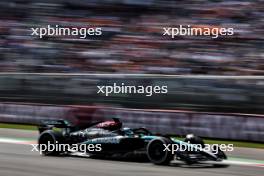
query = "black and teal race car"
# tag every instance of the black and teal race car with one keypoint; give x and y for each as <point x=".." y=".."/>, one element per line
<point x="110" y="138"/>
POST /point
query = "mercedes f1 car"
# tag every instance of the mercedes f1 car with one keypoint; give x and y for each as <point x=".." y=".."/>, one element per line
<point x="112" y="139"/>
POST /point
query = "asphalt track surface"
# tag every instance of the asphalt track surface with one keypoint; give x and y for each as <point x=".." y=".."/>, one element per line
<point x="19" y="160"/>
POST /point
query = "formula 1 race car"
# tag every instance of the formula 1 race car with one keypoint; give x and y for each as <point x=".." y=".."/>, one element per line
<point x="109" y="138"/>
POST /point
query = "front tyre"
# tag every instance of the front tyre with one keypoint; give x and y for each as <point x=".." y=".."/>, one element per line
<point x="156" y="151"/>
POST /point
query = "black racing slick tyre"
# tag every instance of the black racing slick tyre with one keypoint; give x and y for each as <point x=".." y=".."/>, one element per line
<point x="156" y="151"/>
<point x="47" y="143"/>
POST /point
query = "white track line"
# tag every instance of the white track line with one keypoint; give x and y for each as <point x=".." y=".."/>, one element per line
<point x="247" y="162"/>
<point x="16" y="141"/>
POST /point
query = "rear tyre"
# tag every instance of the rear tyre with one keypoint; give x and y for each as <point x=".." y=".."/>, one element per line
<point x="47" y="143"/>
<point x="156" y="153"/>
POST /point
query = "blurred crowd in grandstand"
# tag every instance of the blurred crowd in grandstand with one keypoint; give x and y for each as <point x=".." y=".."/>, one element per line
<point x="132" y="40"/>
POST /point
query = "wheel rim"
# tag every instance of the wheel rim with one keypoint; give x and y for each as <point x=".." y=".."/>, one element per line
<point x="46" y="140"/>
<point x="156" y="151"/>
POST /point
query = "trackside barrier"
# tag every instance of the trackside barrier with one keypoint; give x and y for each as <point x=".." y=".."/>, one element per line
<point x="30" y="113"/>
<point x="225" y="126"/>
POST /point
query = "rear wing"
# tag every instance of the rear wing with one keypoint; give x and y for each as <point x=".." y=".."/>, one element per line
<point x="48" y="124"/>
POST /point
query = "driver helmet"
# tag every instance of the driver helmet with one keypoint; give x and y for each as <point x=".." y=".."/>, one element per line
<point x="110" y="125"/>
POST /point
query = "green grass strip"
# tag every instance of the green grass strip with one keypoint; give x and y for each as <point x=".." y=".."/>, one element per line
<point x="18" y="126"/>
<point x="236" y="143"/>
